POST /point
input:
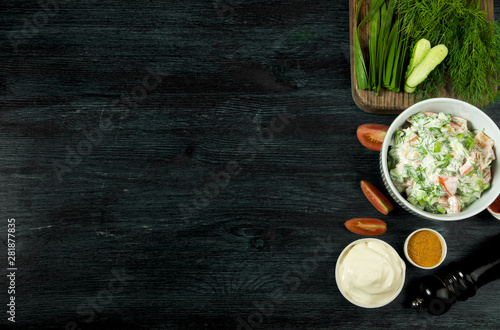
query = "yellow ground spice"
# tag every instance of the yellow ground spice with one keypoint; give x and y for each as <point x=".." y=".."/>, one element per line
<point x="425" y="248"/>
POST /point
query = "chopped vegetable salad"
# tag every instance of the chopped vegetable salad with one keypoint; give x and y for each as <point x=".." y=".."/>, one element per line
<point x="439" y="164"/>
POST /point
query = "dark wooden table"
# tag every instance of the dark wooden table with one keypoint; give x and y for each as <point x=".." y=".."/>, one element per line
<point x="190" y="165"/>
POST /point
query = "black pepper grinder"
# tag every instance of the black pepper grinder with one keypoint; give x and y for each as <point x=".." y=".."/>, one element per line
<point x="459" y="280"/>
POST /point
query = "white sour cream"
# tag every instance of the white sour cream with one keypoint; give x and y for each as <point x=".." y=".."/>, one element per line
<point x="370" y="273"/>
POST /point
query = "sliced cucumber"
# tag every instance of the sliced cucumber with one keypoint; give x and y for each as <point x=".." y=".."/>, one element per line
<point x="421" y="48"/>
<point x="435" y="56"/>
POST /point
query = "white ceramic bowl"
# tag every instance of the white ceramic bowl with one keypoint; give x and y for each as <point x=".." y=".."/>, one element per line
<point x="396" y="257"/>
<point x="477" y="119"/>
<point x="443" y="245"/>
<point x="495" y="214"/>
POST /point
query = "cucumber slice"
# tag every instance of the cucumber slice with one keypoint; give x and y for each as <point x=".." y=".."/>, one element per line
<point x="435" y="56"/>
<point x="421" y="48"/>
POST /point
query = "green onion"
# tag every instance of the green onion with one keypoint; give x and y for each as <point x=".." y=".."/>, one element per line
<point x="385" y="41"/>
<point x="387" y="48"/>
<point x="372" y="46"/>
<point x="391" y="54"/>
<point x="359" y="62"/>
<point x="366" y="81"/>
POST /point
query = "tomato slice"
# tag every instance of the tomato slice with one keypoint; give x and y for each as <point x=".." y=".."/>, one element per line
<point x="372" y="135"/>
<point x="449" y="184"/>
<point x="366" y="226"/>
<point x="381" y="203"/>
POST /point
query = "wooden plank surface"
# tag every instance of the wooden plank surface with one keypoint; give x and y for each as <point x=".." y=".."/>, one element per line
<point x="386" y="102"/>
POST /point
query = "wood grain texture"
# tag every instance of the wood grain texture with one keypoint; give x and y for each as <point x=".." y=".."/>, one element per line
<point x="386" y="102"/>
<point x="149" y="200"/>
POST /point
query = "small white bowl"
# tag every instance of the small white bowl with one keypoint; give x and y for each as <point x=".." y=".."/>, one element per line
<point x="477" y="119"/>
<point x="443" y="245"/>
<point x="389" y="249"/>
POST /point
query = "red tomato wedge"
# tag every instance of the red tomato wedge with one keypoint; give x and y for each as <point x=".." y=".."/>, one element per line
<point x="372" y="135"/>
<point x="375" y="197"/>
<point x="366" y="226"/>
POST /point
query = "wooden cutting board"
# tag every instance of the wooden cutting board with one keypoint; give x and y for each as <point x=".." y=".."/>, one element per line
<point x="386" y="102"/>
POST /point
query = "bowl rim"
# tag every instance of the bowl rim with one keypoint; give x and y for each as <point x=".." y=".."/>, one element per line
<point x="352" y="301"/>
<point x="415" y="108"/>
<point x="443" y="244"/>
<point x="494" y="214"/>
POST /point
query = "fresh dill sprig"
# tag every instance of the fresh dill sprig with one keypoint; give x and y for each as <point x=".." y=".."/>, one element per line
<point x="471" y="67"/>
